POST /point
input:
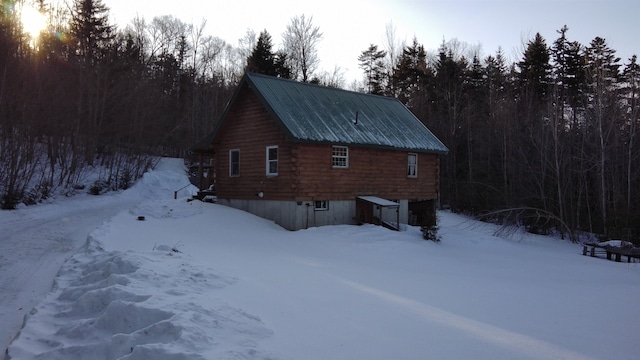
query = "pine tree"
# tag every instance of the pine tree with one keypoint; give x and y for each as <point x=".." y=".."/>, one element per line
<point x="411" y="74"/>
<point x="280" y="63"/>
<point x="90" y="29"/>
<point x="498" y="104"/>
<point x="631" y="95"/>
<point x="448" y="104"/>
<point x="371" y="62"/>
<point x="535" y="70"/>
<point x="601" y="66"/>
<point x="262" y="59"/>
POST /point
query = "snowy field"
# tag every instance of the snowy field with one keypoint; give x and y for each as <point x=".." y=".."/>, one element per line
<point x="203" y="281"/>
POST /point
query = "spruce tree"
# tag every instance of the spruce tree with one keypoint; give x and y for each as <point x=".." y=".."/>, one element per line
<point x="280" y="64"/>
<point x="412" y="73"/>
<point x="568" y="69"/>
<point x="262" y="59"/>
<point x="371" y="62"/>
<point x="602" y="72"/>
<point x="631" y="92"/>
<point x="535" y="69"/>
<point x="90" y="29"/>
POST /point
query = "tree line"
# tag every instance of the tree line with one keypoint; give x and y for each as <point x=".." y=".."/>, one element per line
<point x="548" y="141"/>
<point x="84" y="93"/>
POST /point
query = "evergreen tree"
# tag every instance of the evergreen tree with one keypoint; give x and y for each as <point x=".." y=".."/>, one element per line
<point x="568" y="69"/>
<point x="412" y="74"/>
<point x="499" y="120"/>
<point x="371" y="62"/>
<point x="280" y="64"/>
<point x="601" y="64"/>
<point x="262" y="59"/>
<point x="602" y="72"/>
<point x="448" y="105"/>
<point x="90" y="29"/>
<point x="631" y="111"/>
<point x="535" y="69"/>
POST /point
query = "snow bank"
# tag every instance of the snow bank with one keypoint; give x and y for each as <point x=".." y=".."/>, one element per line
<point x="168" y="176"/>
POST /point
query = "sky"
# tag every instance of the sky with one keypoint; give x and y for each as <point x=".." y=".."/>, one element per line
<point x="350" y="26"/>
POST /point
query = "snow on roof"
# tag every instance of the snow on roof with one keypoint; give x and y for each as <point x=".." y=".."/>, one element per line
<point x="313" y="113"/>
<point x="616" y="243"/>
<point x="379" y="201"/>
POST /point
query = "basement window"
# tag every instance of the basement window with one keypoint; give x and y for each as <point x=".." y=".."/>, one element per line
<point x="272" y="160"/>
<point x="340" y="158"/>
<point x="321" y="205"/>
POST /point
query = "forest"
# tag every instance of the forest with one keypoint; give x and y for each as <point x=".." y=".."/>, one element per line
<point x="547" y="142"/>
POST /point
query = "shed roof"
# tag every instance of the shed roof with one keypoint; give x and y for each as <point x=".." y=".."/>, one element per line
<point x="313" y="113"/>
<point x="379" y="201"/>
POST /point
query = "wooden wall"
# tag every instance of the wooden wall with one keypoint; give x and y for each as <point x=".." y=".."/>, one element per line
<point x="375" y="172"/>
<point x="250" y="128"/>
<point x="304" y="170"/>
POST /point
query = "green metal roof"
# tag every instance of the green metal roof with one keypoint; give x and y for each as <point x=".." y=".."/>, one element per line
<point x="313" y="113"/>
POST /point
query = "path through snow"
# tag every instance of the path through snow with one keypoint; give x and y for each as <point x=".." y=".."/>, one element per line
<point x="37" y="240"/>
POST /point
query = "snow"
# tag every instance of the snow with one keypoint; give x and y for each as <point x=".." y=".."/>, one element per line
<point x="378" y="201"/>
<point x="616" y="243"/>
<point x="203" y="281"/>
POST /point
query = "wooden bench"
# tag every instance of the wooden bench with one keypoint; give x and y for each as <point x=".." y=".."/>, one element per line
<point x="612" y="252"/>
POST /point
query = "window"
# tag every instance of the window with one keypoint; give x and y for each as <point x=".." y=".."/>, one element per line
<point x="234" y="163"/>
<point x="340" y="157"/>
<point x="272" y="160"/>
<point x="412" y="165"/>
<point x="321" y="205"/>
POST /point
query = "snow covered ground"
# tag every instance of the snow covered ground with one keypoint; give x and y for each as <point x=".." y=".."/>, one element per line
<point x="203" y="281"/>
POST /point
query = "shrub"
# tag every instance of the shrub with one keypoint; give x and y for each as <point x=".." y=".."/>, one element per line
<point x="98" y="187"/>
<point x="10" y="200"/>
<point x="430" y="227"/>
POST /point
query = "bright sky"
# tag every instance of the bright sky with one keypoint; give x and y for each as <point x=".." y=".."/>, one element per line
<point x="349" y="26"/>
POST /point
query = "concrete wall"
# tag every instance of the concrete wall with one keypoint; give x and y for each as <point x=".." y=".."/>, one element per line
<point x="293" y="215"/>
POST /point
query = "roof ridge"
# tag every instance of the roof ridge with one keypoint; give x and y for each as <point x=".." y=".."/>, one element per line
<point x="301" y="83"/>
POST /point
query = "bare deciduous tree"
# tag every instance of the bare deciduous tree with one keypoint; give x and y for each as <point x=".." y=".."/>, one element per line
<point x="300" y="43"/>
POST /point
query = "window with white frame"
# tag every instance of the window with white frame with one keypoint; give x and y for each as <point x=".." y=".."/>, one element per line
<point x="321" y="205"/>
<point x="412" y="165"/>
<point x="340" y="158"/>
<point x="234" y="163"/>
<point x="272" y="160"/>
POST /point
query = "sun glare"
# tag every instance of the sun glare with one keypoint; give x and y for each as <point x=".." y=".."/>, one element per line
<point x="33" y="22"/>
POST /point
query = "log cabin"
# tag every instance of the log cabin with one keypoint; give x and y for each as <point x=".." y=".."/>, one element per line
<point x="305" y="155"/>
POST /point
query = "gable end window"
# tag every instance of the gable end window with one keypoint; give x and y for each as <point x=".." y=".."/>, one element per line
<point x="234" y="163"/>
<point x="272" y="160"/>
<point x="340" y="157"/>
<point x="412" y="165"/>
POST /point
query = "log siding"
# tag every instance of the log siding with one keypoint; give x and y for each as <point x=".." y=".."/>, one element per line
<point x="305" y="170"/>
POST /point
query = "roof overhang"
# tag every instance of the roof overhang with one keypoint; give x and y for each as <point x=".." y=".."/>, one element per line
<point x="379" y="201"/>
